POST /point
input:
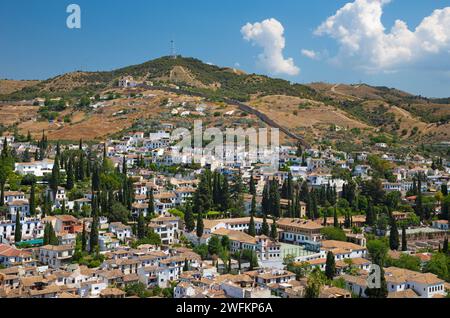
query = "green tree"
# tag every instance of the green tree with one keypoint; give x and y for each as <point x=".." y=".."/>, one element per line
<point x="151" y="204"/>
<point x="200" y="225"/>
<point x="265" y="230"/>
<point x="214" y="246"/>
<point x="18" y="229"/>
<point x="33" y="199"/>
<point x="50" y="235"/>
<point x="334" y="233"/>
<point x="189" y="218"/>
<point x="445" y="247"/>
<point x="314" y="284"/>
<point x="394" y="241"/>
<point x="55" y="178"/>
<point x="141" y="227"/>
<point x="404" y="240"/>
<point x="251" y="227"/>
<point x="439" y="265"/>
<point x="330" y="266"/>
<point x="273" y="231"/>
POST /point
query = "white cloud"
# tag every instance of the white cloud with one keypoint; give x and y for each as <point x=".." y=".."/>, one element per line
<point x="313" y="55"/>
<point x="364" y="42"/>
<point x="269" y="34"/>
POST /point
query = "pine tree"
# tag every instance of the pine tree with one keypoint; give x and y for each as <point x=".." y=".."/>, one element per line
<point x="265" y="230"/>
<point x="200" y="226"/>
<point x="404" y="240"/>
<point x="251" y="227"/>
<point x="18" y="229"/>
<point x="330" y="266"/>
<point x="189" y="218"/>
<point x="273" y="231"/>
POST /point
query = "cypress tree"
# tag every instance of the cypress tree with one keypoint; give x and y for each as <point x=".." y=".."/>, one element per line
<point x="237" y="192"/>
<point x="266" y="200"/>
<point x="33" y="199"/>
<point x="253" y="207"/>
<point x="444" y="189"/>
<point x="275" y="206"/>
<point x="18" y="229"/>
<point x="393" y="237"/>
<point x="151" y="204"/>
<point x="55" y="177"/>
<point x="189" y="218"/>
<point x="265" y="230"/>
<point x="335" y="218"/>
<point x="70" y="182"/>
<point x="124" y="166"/>
<point x="273" y="231"/>
<point x="200" y="226"/>
<point x="330" y="266"/>
<point x="252" y="186"/>
<point x="299" y="151"/>
<point x="251" y="227"/>
<point x="224" y="195"/>
<point x="141" y="227"/>
<point x="63" y="208"/>
<point x="370" y="220"/>
<point x="83" y="238"/>
<point x="50" y="235"/>
<point x="186" y="265"/>
<point x="95" y="179"/>
<point x="404" y="240"/>
<point x="445" y="247"/>
<point x="93" y="239"/>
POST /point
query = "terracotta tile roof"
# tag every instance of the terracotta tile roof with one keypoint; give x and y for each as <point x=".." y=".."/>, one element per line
<point x="236" y="236"/>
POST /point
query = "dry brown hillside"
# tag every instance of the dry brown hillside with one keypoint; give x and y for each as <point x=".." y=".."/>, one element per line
<point x="10" y="86"/>
<point x="295" y="112"/>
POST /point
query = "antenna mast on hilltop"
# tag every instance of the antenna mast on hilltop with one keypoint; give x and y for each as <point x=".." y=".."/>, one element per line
<point x="173" y="52"/>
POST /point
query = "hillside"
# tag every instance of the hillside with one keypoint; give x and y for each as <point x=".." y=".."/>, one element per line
<point x="315" y="111"/>
<point x="211" y="79"/>
<point x="11" y="86"/>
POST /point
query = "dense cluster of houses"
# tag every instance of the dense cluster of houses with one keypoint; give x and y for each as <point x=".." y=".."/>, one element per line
<point x="46" y="271"/>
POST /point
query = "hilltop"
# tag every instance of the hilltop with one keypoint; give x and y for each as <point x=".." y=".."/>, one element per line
<point x="353" y="114"/>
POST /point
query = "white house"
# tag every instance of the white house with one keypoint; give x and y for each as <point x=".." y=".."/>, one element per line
<point x="36" y="168"/>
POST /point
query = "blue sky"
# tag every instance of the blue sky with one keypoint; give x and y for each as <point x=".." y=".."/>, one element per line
<point x="36" y="44"/>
